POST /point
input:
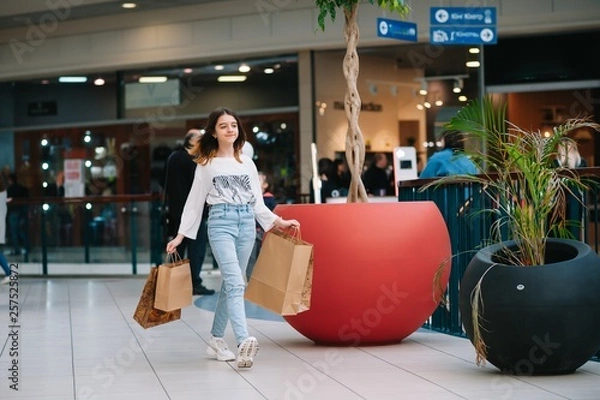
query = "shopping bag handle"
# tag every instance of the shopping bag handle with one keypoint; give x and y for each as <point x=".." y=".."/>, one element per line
<point x="293" y="232"/>
<point x="173" y="257"/>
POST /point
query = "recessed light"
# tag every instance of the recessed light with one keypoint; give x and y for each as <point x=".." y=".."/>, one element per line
<point x="244" y="68"/>
<point x="99" y="82"/>
<point x="231" y="78"/>
<point x="129" y="6"/>
<point x="45" y="81"/>
<point x="152" y="79"/>
<point x="473" y="64"/>
<point x="219" y="68"/>
<point x="72" y="79"/>
<point x="462" y="98"/>
<point x="474" y="50"/>
<point x="187" y="70"/>
<point x="269" y="70"/>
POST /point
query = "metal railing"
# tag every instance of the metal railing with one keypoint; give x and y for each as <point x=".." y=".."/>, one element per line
<point x="469" y="230"/>
<point x="86" y="230"/>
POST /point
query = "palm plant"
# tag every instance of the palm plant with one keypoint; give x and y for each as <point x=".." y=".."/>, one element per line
<point x="527" y="189"/>
<point x="355" y="143"/>
<point x="518" y="172"/>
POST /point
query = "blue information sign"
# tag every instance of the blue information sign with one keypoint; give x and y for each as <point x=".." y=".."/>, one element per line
<point x="463" y="16"/>
<point x="462" y="35"/>
<point x="394" y="29"/>
<point x="463" y="25"/>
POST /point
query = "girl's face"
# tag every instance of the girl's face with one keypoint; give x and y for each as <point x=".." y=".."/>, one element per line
<point x="226" y="130"/>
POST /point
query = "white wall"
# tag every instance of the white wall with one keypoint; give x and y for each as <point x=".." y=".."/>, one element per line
<point x="54" y="44"/>
<point x="379" y="128"/>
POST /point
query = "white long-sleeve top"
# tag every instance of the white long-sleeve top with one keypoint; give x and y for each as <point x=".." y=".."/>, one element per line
<point x="224" y="180"/>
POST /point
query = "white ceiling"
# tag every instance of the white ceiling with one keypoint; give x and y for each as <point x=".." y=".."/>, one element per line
<point x="15" y="13"/>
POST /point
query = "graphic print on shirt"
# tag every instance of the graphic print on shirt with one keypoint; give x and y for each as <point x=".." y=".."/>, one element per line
<point x="236" y="187"/>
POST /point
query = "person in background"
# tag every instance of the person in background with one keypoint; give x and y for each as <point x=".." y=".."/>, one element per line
<point x="324" y="168"/>
<point x="17" y="215"/>
<point x="179" y="175"/>
<point x="451" y="160"/>
<point x="378" y="179"/>
<point x="227" y="182"/>
<point x="3" y="202"/>
<point x="270" y="202"/>
<point x="568" y="155"/>
<point x="340" y="177"/>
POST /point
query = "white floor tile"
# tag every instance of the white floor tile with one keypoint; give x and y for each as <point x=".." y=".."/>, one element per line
<point x="78" y="341"/>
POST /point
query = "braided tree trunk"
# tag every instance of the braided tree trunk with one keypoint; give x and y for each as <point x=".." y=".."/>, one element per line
<point x="355" y="142"/>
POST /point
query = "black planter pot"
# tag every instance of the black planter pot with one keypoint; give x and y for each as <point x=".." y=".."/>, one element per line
<point x="537" y="320"/>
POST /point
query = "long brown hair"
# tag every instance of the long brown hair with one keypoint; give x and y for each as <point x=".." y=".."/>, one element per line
<point x="206" y="148"/>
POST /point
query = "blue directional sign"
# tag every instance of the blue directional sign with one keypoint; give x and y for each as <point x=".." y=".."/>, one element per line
<point x="394" y="29"/>
<point x="463" y="16"/>
<point x="463" y="25"/>
<point x="462" y="35"/>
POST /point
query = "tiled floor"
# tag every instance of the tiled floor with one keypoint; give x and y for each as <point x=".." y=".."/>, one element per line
<point x="76" y="339"/>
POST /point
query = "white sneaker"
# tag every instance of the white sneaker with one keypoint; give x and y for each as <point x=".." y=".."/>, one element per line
<point x="246" y="350"/>
<point x="5" y="281"/>
<point x="217" y="348"/>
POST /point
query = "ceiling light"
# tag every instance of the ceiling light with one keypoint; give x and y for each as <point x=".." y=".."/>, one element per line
<point x="219" y="68"/>
<point x="462" y="98"/>
<point x="45" y="81"/>
<point x="269" y="70"/>
<point x="244" y="68"/>
<point x="427" y="104"/>
<point x="72" y="79"/>
<point x="474" y="50"/>
<point x="458" y="86"/>
<point x="129" y="6"/>
<point x="420" y="106"/>
<point x="473" y="64"/>
<point x="439" y="103"/>
<point x="187" y="70"/>
<point x="152" y="79"/>
<point x="99" y="82"/>
<point x="231" y="78"/>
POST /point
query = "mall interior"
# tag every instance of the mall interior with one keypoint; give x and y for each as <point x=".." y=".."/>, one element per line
<point x="95" y="94"/>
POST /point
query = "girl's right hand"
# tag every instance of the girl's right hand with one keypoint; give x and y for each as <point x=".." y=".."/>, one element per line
<point x="172" y="245"/>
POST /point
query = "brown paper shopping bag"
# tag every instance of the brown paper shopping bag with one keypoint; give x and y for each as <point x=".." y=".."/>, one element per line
<point x="282" y="277"/>
<point x="145" y="313"/>
<point x="173" y="285"/>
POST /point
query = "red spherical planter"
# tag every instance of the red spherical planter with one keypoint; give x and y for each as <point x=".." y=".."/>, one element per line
<point x="374" y="268"/>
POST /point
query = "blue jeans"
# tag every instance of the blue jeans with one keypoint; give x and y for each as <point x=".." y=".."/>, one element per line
<point x="4" y="264"/>
<point x="231" y="233"/>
